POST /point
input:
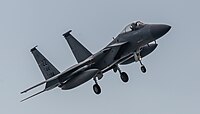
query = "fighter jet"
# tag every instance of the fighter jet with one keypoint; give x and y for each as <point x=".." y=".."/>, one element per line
<point x="136" y="41"/>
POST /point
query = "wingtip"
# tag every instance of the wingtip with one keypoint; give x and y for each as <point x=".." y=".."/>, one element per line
<point x="67" y="33"/>
<point x="32" y="95"/>
<point x="22" y="92"/>
<point x="22" y="101"/>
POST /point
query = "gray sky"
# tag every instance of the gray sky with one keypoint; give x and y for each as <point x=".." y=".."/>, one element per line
<point x="170" y="86"/>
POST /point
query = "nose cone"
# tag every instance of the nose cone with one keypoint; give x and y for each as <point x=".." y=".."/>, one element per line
<point x="159" y="30"/>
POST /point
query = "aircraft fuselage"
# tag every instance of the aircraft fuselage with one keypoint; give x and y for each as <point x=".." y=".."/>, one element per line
<point x="132" y="44"/>
<point x="134" y="40"/>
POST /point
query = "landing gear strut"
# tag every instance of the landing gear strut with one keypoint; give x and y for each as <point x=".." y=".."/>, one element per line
<point x="143" y="68"/>
<point x="96" y="87"/>
<point x="139" y="58"/>
<point x="124" y="77"/>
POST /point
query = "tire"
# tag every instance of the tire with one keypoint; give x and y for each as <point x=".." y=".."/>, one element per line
<point x="124" y="77"/>
<point x="97" y="89"/>
<point x="143" y="69"/>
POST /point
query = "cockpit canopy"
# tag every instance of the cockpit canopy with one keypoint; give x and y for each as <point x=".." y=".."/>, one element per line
<point x="133" y="27"/>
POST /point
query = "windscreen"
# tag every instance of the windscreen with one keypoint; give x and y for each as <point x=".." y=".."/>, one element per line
<point x="133" y="27"/>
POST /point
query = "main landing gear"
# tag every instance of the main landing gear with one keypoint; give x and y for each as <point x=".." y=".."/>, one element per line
<point x="96" y="87"/>
<point x="124" y="77"/>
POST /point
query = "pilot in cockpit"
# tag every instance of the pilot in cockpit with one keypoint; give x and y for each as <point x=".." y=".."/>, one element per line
<point x="133" y="26"/>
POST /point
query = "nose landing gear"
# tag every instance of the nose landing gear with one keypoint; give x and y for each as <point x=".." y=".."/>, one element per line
<point x="139" y="58"/>
<point x="143" y="68"/>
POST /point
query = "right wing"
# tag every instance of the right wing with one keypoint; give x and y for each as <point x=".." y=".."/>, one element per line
<point x="41" y="83"/>
<point x="46" y="89"/>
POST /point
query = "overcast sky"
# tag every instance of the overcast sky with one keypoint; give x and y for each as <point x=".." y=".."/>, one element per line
<point x="170" y="86"/>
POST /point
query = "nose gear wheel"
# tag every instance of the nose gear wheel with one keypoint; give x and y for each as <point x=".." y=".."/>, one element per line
<point x="143" y="69"/>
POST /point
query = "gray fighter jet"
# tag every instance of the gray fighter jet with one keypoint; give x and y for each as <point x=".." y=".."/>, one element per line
<point x="135" y="42"/>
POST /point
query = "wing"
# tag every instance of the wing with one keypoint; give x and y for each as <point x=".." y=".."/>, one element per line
<point x="115" y="47"/>
<point x="62" y="75"/>
<point x="32" y="95"/>
<point x="121" y="60"/>
<point x="113" y="52"/>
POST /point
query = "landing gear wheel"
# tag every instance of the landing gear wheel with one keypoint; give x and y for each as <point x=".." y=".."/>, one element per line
<point x="143" y="69"/>
<point x="97" y="89"/>
<point x="124" y="77"/>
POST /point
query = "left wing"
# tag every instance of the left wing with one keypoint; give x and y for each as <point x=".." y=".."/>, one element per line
<point x="32" y="95"/>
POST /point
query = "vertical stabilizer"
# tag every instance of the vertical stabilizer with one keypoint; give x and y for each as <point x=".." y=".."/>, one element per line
<point x="48" y="70"/>
<point x="79" y="51"/>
